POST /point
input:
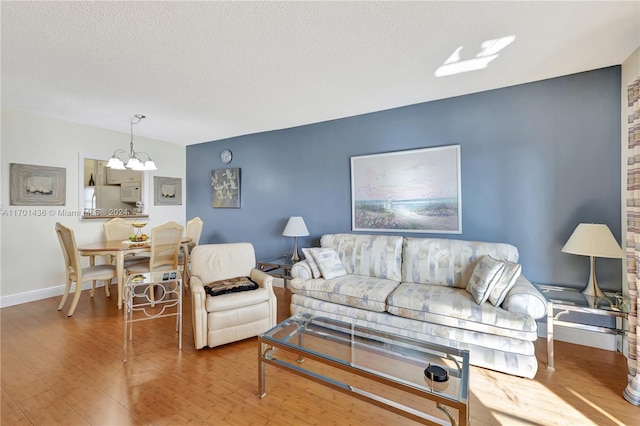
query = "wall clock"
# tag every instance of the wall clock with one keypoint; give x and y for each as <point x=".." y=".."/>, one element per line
<point x="226" y="156"/>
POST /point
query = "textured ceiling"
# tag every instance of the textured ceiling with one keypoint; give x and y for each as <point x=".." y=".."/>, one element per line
<point x="203" y="71"/>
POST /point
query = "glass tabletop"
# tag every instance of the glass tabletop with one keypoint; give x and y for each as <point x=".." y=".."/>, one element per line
<point x="391" y="356"/>
<point x="614" y="302"/>
<point x="153" y="277"/>
<point x="278" y="261"/>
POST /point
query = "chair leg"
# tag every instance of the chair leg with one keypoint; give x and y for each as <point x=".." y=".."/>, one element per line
<point x="76" y="297"/>
<point x="107" y="289"/>
<point x="67" y="288"/>
<point x="93" y="288"/>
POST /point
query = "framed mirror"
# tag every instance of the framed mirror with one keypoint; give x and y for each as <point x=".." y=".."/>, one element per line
<point x="105" y="193"/>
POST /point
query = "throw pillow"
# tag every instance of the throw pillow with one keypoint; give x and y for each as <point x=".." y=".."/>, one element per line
<point x="231" y="285"/>
<point x="328" y="262"/>
<point x="507" y="279"/>
<point x="484" y="277"/>
<point x="312" y="263"/>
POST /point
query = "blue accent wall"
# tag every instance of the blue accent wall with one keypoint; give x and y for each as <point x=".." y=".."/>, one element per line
<point x="536" y="160"/>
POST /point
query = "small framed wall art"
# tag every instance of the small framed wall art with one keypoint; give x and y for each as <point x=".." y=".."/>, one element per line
<point x="167" y="191"/>
<point x="32" y="185"/>
<point x="225" y="184"/>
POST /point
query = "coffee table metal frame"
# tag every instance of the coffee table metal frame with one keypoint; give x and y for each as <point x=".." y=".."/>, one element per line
<point x="289" y="336"/>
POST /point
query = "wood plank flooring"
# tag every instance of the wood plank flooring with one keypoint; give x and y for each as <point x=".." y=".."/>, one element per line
<point x="69" y="371"/>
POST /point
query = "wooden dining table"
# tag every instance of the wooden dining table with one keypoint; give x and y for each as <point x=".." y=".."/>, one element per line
<point x="119" y="249"/>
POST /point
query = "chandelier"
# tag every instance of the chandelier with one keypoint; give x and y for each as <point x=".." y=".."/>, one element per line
<point x="133" y="160"/>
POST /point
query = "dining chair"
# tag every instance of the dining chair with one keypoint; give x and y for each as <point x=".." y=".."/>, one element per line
<point x="194" y="230"/>
<point x="165" y="249"/>
<point x="120" y="229"/>
<point x="76" y="273"/>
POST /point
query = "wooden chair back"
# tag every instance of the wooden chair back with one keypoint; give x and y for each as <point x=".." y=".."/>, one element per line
<point x="194" y="230"/>
<point x="69" y="248"/>
<point x="165" y="245"/>
<point x="117" y="229"/>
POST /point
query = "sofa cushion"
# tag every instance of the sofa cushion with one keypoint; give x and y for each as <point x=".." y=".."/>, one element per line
<point x="507" y="279"/>
<point x="484" y="278"/>
<point x="328" y="262"/>
<point x="312" y="263"/>
<point x="448" y="262"/>
<point x="370" y="255"/>
<point x="352" y="290"/>
<point x="231" y="301"/>
<point x="457" y="308"/>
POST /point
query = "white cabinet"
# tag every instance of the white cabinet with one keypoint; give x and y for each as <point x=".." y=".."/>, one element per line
<point x="116" y="177"/>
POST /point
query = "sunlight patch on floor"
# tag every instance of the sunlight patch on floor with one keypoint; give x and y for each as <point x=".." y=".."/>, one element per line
<point x="596" y="407"/>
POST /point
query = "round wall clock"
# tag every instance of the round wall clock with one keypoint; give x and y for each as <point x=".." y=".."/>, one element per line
<point x="225" y="156"/>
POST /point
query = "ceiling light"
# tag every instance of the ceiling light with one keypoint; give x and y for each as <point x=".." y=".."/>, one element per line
<point x="132" y="158"/>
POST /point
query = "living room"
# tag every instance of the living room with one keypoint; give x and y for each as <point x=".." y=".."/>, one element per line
<point x="536" y="159"/>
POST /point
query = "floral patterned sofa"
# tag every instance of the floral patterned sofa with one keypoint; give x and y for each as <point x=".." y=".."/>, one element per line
<point x="445" y="291"/>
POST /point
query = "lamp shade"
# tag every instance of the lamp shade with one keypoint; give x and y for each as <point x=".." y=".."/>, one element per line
<point x="295" y="227"/>
<point x="590" y="239"/>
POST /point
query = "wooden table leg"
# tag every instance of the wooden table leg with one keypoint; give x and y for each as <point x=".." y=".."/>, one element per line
<point x="120" y="272"/>
<point x="185" y="252"/>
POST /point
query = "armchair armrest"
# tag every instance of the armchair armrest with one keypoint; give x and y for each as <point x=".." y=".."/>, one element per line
<point x="265" y="281"/>
<point x="198" y="312"/>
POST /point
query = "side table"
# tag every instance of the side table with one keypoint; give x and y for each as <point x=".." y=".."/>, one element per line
<point x="565" y="300"/>
<point x="153" y="295"/>
<point x="279" y="267"/>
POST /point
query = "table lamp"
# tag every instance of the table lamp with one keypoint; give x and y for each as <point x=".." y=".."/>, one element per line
<point x="295" y="228"/>
<point x="593" y="240"/>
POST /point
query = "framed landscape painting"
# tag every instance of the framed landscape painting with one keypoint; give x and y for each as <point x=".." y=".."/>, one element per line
<point x="411" y="191"/>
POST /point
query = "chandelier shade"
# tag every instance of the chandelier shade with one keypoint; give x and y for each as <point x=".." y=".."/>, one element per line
<point x="132" y="158"/>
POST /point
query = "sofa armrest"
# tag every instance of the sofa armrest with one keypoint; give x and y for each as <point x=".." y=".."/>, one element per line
<point x="301" y="270"/>
<point x="525" y="298"/>
<point x="198" y="312"/>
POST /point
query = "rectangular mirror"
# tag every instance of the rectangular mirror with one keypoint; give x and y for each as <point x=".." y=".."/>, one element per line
<point x="106" y="193"/>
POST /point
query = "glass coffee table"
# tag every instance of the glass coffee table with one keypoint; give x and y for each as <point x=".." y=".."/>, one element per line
<point x="383" y="369"/>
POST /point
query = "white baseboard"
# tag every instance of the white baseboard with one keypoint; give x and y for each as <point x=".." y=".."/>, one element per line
<point x="580" y="337"/>
<point x="34" y="295"/>
<point x="45" y="293"/>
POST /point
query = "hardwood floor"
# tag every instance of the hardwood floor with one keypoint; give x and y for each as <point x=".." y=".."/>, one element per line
<point x="69" y="371"/>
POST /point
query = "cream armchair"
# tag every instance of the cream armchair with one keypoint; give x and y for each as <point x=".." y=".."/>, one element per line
<point x="226" y="318"/>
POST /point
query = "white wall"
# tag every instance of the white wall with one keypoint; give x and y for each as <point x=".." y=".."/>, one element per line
<point x="31" y="262"/>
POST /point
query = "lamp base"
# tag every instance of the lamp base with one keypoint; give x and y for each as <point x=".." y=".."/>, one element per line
<point x="592" y="289"/>
<point x="295" y="258"/>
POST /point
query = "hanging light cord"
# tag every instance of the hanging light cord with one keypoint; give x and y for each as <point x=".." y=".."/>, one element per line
<point x="139" y="118"/>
